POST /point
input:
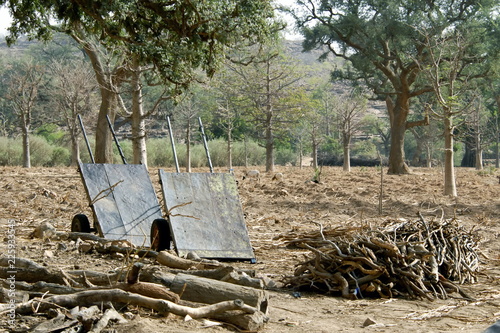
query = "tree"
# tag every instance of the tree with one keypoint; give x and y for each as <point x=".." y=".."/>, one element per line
<point x="186" y="112"/>
<point x="73" y="89"/>
<point x="269" y="85"/>
<point x="382" y="43"/>
<point x="455" y="64"/>
<point x="350" y="109"/>
<point x="176" y="38"/>
<point x="24" y="82"/>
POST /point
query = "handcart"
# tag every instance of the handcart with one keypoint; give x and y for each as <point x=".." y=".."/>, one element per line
<point x="122" y="199"/>
<point x="204" y="216"/>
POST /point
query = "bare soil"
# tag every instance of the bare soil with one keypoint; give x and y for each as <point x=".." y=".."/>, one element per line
<point x="29" y="197"/>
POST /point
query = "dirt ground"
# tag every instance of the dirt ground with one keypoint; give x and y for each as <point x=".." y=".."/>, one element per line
<point x="29" y="197"/>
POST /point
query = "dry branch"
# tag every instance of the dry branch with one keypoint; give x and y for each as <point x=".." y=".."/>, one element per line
<point x="167" y="259"/>
<point x="117" y="296"/>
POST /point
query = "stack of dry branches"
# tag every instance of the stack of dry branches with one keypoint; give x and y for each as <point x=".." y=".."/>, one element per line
<point x="404" y="258"/>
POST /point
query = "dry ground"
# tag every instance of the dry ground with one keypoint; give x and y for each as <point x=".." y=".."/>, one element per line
<point x="272" y="209"/>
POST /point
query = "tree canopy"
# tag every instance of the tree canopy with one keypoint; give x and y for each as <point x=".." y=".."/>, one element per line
<point x="177" y="37"/>
<point x="383" y="43"/>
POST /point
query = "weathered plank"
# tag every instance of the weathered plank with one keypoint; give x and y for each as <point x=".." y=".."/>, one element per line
<point x="206" y="216"/>
<point x="123" y="200"/>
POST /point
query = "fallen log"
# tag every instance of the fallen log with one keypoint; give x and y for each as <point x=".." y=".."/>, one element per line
<point x="146" y="288"/>
<point x="202" y="290"/>
<point x="29" y="271"/>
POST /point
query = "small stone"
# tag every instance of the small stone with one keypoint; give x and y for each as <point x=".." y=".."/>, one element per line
<point x="44" y="230"/>
<point x="85" y="247"/>
<point x="118" y="255"/>
<point x="62" y="247"/>
<point x="369" y="322"/>
<point x="128" y="315"/>
<point x="48" y="254"/>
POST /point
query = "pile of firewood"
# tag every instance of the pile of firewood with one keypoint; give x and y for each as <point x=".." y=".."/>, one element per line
<point x="84" y="300"/>
<point x="408" y="259"/>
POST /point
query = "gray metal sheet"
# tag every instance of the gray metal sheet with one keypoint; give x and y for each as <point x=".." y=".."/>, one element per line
<point x="123" y="200"/>
<point x="206" y="216"/>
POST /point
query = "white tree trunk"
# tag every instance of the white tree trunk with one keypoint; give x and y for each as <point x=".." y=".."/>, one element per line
<point x="229" y="150"/>
<point x="347" y="158"/>
<point x="138" y="123"/>
<point x="26" y="148"/>
<point x="188" y="146"/>
<point x="449" y="170"/>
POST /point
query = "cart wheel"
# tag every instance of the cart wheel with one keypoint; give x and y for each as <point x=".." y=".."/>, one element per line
<point x="80" y="223"/>
<point x="160" y="235"/>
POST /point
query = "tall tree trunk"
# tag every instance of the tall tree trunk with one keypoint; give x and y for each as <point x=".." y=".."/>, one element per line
<point x="497" y="139"/>
<point x="188" y="146"/>
<point x="103" y="137"/>
<point x="479" y="158"/>
<point x="75" y="150"/>
<point x="449" y="169"/>
<point x="429" y="156"/>
<point x="398" y="114"/>
<point x="315" y="154"/>
<point x="137" y="118"/>
<point x="229" y="149"/>
<point x="269" y="150"/>
<point x="301" y="154"/>
<point x="269" y="124"/>
<point x="479" y="150"/>
<point x="26" y="147"/>
<point x="346" y="166"/>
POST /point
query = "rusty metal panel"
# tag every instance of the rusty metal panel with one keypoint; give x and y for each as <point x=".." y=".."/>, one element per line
<point x="123" y="200"/>
<point x="206" y="216"/>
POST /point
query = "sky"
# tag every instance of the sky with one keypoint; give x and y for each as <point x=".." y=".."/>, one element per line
<point x="5" y="20"/>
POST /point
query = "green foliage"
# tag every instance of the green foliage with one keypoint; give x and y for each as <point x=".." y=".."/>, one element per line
<point x="197" y="155"/>
<point x="11" y="152"/>
<point x="84" y="152"/>
<point x="256" y="155"/>
<point x="330" y="147"/>
<point x="51" y="132"/>
<point x="60" y="157"/>
<point x="285" y="156"/>
<point x="159" y="153"/>
<point x="152" y="31"/>
<point x="126" y="146"/>
<point x="364" y="149"/>
<point x="41" y="151"/>
<point x="488" y="171"/>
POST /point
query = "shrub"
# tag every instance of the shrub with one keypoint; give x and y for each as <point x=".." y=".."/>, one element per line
<point x="11" y="152"/>
<point x="51" y="133"/>
<point x="160" y="153"/>
<point x="256" y="154"/>
<point x="60" y="157"/>
<point x="41" y="151"/>
<point x="84" y="152"/>
<point x="285" y="156"/>
<point x="126" y="146"/>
